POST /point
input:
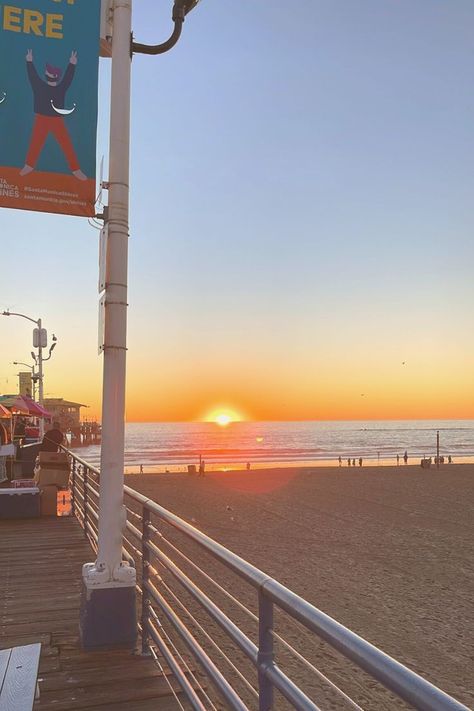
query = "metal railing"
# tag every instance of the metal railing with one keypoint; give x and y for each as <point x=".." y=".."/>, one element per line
<point x="181" y="623"/>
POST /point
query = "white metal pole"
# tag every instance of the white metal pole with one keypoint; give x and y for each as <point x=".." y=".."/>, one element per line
<point x="40" y="381"/>
<point x="111" y="518"/>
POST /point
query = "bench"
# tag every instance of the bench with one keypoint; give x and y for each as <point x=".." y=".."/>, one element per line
<point x="19" y="677"/>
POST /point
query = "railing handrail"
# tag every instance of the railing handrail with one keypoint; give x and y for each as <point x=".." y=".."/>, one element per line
<point x="408" y="685"/>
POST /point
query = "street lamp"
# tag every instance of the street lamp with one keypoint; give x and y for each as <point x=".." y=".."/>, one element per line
<point x="34" y="376"/>
<point x="40" y="341"/>
<point x="109" y="583"/>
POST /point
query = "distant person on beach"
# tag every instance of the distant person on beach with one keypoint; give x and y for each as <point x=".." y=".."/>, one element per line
<point x="398" y="460"/>
<point x="450" y="461"/>
<point x="353" y="462"/>
<point x="348" y="462"/>
<point x="52" y="439"/>
<point x="141" y="468"/>
<point x="248" y="466"/>
<point x="360" y="461"/>
<point x="340" y="461"/>
<point x="405" y="457"/>
<point x="202" y="466"/>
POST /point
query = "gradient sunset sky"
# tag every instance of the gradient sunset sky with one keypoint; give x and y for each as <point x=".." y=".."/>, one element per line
<point x="301" y="220"/>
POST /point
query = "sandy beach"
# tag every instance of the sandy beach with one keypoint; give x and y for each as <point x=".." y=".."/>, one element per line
<point x="387" y="551"/>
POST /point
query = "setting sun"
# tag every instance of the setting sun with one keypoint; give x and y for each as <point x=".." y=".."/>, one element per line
<point x="223" y="419"/>
<point x="223" y="416"/>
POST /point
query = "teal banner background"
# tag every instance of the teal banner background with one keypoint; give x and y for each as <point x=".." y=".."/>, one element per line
<point x="81" y="33"/>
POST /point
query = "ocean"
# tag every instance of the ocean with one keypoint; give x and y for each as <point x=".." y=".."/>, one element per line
<point x="159" y="446"/>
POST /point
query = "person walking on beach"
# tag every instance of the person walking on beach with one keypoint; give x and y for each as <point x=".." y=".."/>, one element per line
<point x="398" y="460"/>
<point x="202" y="465"/>
<point x="360" y="461"/>
<point x="405" y="457"/>
<point x="340" y="461"/>
<point x="353" y="462"/>
<point x="348" y="462"/>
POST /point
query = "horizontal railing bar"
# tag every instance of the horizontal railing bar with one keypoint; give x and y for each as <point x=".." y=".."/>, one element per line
<point x="205" y="575"/>
<point x="133" y="529"/>
<point x="231" y="629"/>
<point x="315" y="670"/>
<point x="219" y="650"/>
<point x="221" y="683"/>
<point x="188" y="690"/>
<point x="94" y="470"/>
<point x="288" y="688"/>
<point x="154" y="654"/>
<point x="240" y="566"/>
<point x="133" y="513"/>
<point x="395" y="676"/>
<point x="179" y="656"/>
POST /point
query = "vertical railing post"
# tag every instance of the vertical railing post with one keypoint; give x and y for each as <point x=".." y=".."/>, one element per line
<point x="73" y="487"/>
<point x="86" y="498"/>
<point x="145" y="578"/>
<point x="265" y="651"/>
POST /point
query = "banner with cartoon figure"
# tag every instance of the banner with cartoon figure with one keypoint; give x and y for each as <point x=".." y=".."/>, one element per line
<point x="49" y="60"/>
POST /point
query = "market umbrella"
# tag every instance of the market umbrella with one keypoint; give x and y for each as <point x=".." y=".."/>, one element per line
<point x="15" y="403"/>
<point x="35" y="409"/>
<point x="4" y="413"/>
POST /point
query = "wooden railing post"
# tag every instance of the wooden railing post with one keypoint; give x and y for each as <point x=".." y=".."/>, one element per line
<point x="265" y="651"/>
<point x="145" y="579"/>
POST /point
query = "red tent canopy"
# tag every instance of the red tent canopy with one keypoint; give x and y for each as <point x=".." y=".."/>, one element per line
<point x="35" y="409"/>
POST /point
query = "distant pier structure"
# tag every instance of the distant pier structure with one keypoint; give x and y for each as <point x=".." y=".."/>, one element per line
<point x="68" y="414"/>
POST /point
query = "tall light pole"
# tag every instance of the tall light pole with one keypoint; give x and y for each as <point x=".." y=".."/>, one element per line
<point x="108" y="609"/>
<point x="39" y="341"/>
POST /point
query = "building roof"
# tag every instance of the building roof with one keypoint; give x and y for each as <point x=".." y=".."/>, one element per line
<point x="60" y="402"/>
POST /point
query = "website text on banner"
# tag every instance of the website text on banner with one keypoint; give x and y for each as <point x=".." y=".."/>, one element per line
<point x="49" y="63"/>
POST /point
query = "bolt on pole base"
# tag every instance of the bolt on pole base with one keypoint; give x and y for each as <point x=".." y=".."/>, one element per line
<point x="108" y="616"/>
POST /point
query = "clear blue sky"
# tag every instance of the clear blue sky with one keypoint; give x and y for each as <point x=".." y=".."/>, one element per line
<point x="302" y="202"/>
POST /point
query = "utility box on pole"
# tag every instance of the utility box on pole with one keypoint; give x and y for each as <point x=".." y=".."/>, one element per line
<point x="40" y="338"/>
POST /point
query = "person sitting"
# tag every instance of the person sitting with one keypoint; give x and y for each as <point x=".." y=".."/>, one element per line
<point x="52" y="439"/>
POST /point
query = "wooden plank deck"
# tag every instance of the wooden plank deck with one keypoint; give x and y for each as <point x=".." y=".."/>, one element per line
<point x="40" y="582"/>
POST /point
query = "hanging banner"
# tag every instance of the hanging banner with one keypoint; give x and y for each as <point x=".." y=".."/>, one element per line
<point x="49" y="60"/>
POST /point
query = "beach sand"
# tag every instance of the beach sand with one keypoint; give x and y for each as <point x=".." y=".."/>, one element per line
<point x="386" y="551"/>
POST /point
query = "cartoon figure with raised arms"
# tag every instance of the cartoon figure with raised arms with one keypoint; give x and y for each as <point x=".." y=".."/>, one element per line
<point x="49" y="99"/>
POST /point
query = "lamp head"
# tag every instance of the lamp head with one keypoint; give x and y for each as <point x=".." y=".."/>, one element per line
<point x="53" y="347"/>
<point x="182" y="7"/>
<point x="6" y="313"/>
<point x="33" y="355"/>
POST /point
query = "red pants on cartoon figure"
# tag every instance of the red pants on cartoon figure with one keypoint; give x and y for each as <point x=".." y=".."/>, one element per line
<point x="43" y="126"/>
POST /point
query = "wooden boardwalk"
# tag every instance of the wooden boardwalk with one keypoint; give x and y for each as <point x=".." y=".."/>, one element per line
<point x="40" y="582"/>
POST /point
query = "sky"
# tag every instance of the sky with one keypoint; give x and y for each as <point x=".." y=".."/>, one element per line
<point x="301" y="220"/>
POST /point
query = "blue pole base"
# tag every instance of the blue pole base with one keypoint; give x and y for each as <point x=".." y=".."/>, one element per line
<point x="108" y="617"/>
